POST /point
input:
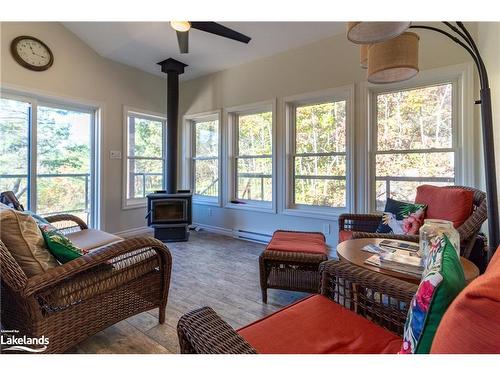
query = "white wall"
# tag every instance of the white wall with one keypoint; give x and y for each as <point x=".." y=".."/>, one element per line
<point x="79" y="73"/>
<point x="488" y="34"/>
<point x="325" y="64"/>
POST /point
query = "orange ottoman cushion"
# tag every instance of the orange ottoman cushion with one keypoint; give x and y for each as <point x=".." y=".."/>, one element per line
<point x="304" y="242"/>
<point x="472" y="322"/>
<point x="452" y="204"/>
<point x="317" y="325"/>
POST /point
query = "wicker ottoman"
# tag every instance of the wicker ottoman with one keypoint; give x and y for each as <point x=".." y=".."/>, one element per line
<point x="291" y="262"/>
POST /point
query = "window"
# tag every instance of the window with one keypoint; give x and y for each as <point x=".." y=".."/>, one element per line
<point x="414" y="141"/>
<point x="318" y="151"/>
<point x="47" y="156"/>
<point x="251" y="167"/>
<point x="145" y="161"/>
<point x="205" y="157"/>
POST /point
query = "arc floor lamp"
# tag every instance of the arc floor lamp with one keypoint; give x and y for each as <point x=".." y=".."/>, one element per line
<point x="390" y="53"/>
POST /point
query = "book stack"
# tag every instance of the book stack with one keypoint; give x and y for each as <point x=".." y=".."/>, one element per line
<point x="398" y="260"/>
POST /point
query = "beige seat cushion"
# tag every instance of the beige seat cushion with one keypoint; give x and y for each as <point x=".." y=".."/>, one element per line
<point x="90" y="239"/>
<point x="22" y="237"/>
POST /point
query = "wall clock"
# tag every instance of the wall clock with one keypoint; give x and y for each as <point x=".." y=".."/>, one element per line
<point x="31" y="53"/>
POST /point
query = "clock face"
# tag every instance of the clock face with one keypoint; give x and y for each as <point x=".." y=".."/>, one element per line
<point x="32" y="53"/>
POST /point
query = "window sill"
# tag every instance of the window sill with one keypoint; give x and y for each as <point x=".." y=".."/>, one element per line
<point x="204" y="201"/>
<point x="267" y="208"/>
<point x="132" y="204"/>
<point x="315" y="213"/>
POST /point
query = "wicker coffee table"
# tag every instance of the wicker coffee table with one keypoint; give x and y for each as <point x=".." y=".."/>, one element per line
<point x="290" y="270"/>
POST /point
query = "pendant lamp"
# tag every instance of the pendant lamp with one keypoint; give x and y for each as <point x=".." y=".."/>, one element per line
<point x="394" y="60"/>
<point x="374" y="32"/>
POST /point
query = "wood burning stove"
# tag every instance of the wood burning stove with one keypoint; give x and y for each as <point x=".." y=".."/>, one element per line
<point x="170" y="210"/>
<point x="170" y="215"/>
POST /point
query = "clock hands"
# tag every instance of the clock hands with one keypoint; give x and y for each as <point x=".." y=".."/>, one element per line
<point x="34" y="53"/>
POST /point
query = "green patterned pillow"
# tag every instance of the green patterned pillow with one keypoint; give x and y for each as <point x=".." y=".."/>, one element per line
<point x="58" y="244"/>
<point x="442" y="280"/>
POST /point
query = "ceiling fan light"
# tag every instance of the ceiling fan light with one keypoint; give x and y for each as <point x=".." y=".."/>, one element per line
<point x="374" y="32"/>
<point x="395" y="60"/>
<point x="363" y="55"/>
<point x="181" y="26"/>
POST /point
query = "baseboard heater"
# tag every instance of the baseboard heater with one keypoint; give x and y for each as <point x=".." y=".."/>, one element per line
<point x="251" y="236"/>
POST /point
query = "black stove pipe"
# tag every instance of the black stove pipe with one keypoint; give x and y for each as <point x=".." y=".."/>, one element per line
<point x="173" y="69"/>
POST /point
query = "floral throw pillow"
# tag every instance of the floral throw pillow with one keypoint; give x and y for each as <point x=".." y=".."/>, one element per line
<point x="402" y="217"/>
<point x="443" y="278"/>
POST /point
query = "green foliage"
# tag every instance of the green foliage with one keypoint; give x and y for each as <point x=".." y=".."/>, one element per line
<point x="206" y="171"/>
<point x="145" y="140"/>
<point x="63" y="148"/>
<point x="418" y="119"/>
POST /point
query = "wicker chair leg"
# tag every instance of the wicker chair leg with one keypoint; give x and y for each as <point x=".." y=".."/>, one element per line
<point x="162" y="312"/>
<point x="264" y="295"/>
<point x="264" y="274"/>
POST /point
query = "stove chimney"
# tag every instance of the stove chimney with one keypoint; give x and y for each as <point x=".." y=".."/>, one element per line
<point x="173" y="69"/>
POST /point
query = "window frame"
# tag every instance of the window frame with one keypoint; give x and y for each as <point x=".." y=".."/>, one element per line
<point x="133" y="203"/>
<point x="460" y="76"/>
<point x="232" y="120"/>
<point x="38" y="99"/>
<point x="343" y="93"/>
<point x="188" y="150"/>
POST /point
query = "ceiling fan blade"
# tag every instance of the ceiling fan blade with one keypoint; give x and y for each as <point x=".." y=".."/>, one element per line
<point x="218" y="29"/>
<point x="183" y="40"/>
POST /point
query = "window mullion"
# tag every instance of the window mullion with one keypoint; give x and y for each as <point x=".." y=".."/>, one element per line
<point x="32" y="161"/>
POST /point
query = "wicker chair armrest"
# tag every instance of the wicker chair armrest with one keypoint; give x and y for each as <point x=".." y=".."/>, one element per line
<point x="380" y="298"/>
<point x="391" y="236"/>
<point x="95" y="259"/>
<point x="66" y="217"/>
<point x="202" y="331"/>
<point x="359" y="222"/>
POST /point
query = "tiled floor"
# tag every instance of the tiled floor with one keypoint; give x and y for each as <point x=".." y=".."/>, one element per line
<point x="208" y="270"/>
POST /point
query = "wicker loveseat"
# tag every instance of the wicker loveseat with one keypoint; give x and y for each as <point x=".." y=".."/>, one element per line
<point x="365" y="225"/>
<point x="73" y="301"/>
<point x="357" y="311"/>
<point x="343" y="318"/>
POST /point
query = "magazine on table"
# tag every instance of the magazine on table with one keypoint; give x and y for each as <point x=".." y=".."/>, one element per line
<point x="387" y="245"/>
<point x="375" y="260"/>
<point x="395" y="244"/>
<point x="400" y="259"/>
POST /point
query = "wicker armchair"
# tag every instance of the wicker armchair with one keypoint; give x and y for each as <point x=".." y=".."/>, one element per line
<point x="365" y="292"/>
<point x="365" y="225"/>
<point x="71" y="302"/>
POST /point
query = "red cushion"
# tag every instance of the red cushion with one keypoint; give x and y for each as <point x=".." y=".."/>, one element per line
<point x="345" y="235"/>
<point x="452" y="204"/>
<point x="304" y="242"/>
<point x="317" y="325"/>
<point x="472" y="322"/>
<point x="493" y="261"/>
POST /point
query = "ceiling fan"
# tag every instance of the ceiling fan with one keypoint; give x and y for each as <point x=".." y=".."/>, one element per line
<point x="182" y="29"/>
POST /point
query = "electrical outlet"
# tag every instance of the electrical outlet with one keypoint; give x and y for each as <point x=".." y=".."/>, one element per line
<point x="326" y="229"/>
<point x="115" y="154"/>
<point x="209" y="212"/>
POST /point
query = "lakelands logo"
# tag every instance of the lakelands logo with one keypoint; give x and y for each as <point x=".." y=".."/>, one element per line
<point x="10" y="342"/>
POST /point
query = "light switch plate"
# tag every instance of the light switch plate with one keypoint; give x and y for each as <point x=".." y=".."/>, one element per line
<point x="115" y="154"/>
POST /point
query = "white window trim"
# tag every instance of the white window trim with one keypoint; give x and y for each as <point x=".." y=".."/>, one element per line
<point x="187" y="156"/>
<point x="463" y="137"/>
<point x="43" y="98"/>
<point x="231" y="115"/>
<point x="134" y="203"/>
<point x="289" y="103"/>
